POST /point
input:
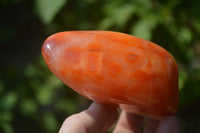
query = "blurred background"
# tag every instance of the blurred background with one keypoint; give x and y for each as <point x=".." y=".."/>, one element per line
<point x="33" y="100"/>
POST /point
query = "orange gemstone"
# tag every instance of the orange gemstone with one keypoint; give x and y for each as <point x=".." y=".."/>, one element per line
<point x="110" y="67"/>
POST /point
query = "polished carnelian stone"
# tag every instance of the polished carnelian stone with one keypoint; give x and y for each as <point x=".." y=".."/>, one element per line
<point x="115" y="68"/>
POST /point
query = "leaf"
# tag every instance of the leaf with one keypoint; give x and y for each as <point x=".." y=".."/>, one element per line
<point x="190" y="91"/>
<point x="117" y="14"/>
<point x="7" y="127"/>
<point x="8" y="101"/>
<point x="47" y="9"/>
<point x="182" y="79"/>
<point x="46" y="91"/>
<point x="122" y="14"/>
<point x="67" y="105"/>
<point x="6" y="116"/>
<point x="105" y="23"/>
<point x="28" y="106"/>
<point x="197" y="25"/>
<point x="185" y="35"/>
<point x="50" y="121"/>
<point x="143" y="28"/>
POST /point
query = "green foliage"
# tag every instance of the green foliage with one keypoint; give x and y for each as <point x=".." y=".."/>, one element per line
<point x="38" y="97"/>
<point x="143" y="28"/>
<point x="116" y="14"/>
<point x="47" y="9"/>
<point x="31" y="95"/>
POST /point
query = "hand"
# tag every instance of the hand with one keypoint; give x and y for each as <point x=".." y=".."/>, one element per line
<point x="98" y="118"/>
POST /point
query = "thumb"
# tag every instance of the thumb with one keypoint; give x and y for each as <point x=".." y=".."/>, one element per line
<point x="96" y="119"/>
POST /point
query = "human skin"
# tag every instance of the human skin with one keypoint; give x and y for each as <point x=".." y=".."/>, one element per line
<point x="98" y="118"/>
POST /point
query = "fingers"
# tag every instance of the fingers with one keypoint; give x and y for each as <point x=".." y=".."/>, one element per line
<point x="151" y="125"/>
<point x="169" y="125"/>
<point x="96" y="119"/>
<point x="129" y="123"/>
<point x="132" y="123"/>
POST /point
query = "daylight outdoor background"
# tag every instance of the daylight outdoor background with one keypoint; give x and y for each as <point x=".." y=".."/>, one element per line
<point x="33" y="100"/>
